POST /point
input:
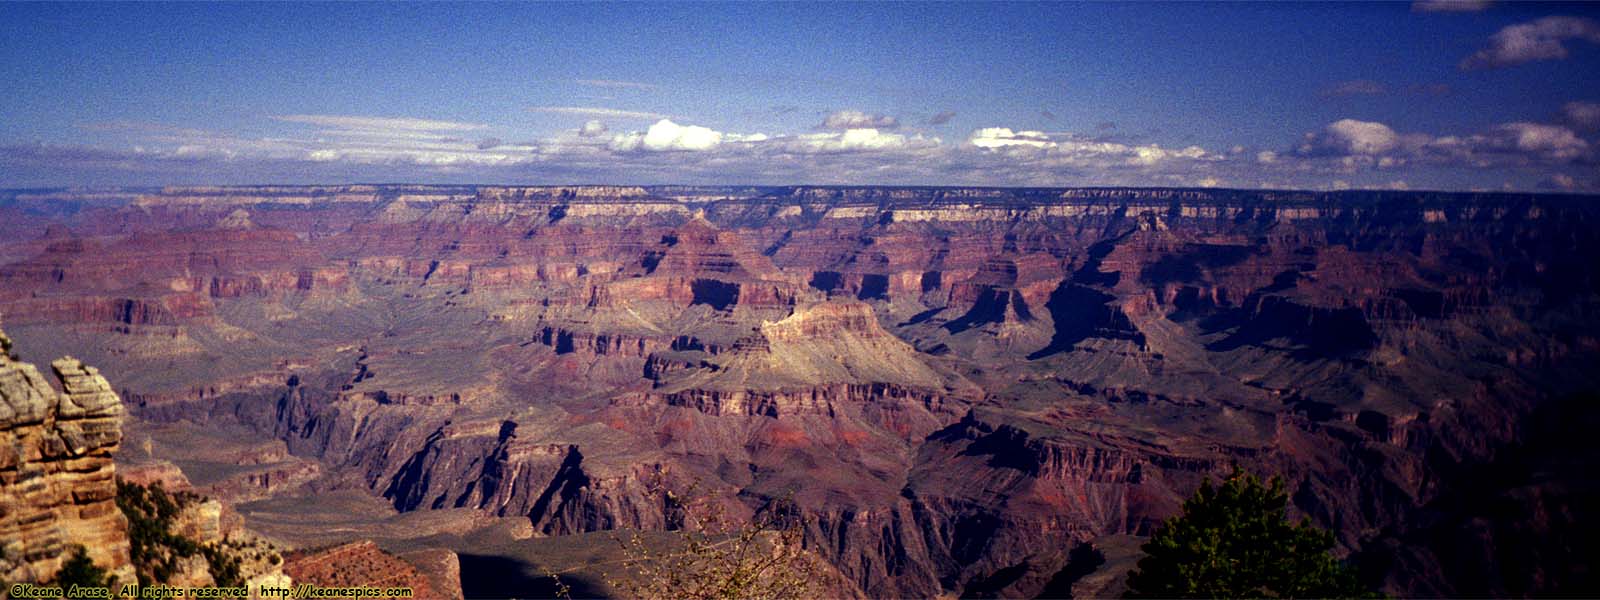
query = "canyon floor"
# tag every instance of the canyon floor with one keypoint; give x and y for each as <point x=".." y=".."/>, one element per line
<point x="957" y="386"/>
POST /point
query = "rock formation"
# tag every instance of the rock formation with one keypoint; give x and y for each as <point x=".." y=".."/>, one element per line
<point x="57" y="479"/>
<point x="362" y="564"/>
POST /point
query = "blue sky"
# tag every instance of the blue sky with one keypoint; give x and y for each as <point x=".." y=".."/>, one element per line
<point x="1452" y="95"/>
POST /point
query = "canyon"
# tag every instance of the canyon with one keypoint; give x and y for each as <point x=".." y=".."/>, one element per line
<point x="956" y="386"/>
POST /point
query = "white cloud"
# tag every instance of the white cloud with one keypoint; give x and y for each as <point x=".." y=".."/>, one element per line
<point x="855" y="119"/>
<point x="1541" y="39"/>
<point x="1000" y="137"/>
<point x="373" y="135"/>
<point x="1066" y="150"/>
<point x="1003" y="149"/>
<point x="1348" y="146"/>
<point x="845" y="141"/>
<point x="1152" y="154"/>
<point x="358" y="123"/>
<point x="203" y="151"/>
<point x="1519" y="142"/>
<point x="592" y="128"/>
<point x="352" y="140"/>
<point x="1365" y="154"/>
<point x="1552" y="141"/>
<point x="666" y="136"/>
<point x="595" y="111"/>
<point x="1581" y="116"/>
<point x="1352" y="137"/>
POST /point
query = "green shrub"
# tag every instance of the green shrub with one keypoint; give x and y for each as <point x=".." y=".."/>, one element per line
<point x="81" y="571"/>
<point x="154" y="548"/>
<point x="1232" y="541"/>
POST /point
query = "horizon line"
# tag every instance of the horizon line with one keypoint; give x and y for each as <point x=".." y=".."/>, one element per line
<point x="793" y="186"/>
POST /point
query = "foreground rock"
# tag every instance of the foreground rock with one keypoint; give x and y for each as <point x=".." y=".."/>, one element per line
<point x="363" y="564"/>
<point x="57" y="481"/>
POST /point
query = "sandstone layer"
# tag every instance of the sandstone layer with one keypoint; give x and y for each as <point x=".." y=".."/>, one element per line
<point x="57" y="477"/>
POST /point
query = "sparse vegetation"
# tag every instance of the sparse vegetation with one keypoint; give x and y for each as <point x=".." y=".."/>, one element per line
<point x="1232" y="541"/>
<point x="155" y="549"/>
<point x="81" y="571"/>
<point x="715" y="557"/>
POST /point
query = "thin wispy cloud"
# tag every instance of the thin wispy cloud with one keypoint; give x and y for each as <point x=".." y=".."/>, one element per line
<point x="1541" y="39"/>
<point x="855" y="119"/>
<point x="1450" y="6"/>
<point x="595" y="111"/>
<point x="1582" y="116"/>
<point x="142" y="127"/>
<point x="1559" y="181"/>
<point x="1429" y="89"/>
<point x="1354" y="87"/>
<point x="379" y="123"/>
<point x="618" y="84"/>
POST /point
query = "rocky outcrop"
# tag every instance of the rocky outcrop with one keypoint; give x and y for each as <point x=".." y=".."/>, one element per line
<point x="441" y="567"/>
<point x="57" y="480"/>
<point x="828" y="342"/>
<point x="589" y="343"/>
<point x="363" y="564"/>
<point x="489" y="468"/>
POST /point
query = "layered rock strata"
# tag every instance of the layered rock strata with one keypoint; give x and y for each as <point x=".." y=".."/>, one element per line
<point x="958" y="386"/>
<point x="57" y="480"/>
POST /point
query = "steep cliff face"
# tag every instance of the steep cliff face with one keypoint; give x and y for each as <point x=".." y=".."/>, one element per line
<point x="57" y="480"/>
